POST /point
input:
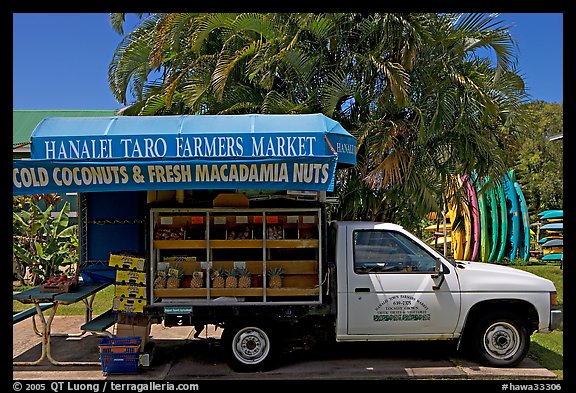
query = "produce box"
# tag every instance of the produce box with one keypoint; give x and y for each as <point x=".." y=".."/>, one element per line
<point x="130" y="291"/>
<point x="126" y="262"/>
<point x="130" y="277"/>
<point x="129" y="330"/>
<point x="59" y="284"/>
<point x="128" y="305"/>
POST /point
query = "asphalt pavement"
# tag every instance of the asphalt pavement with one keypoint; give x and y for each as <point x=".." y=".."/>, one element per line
<point x="180" y="356"/>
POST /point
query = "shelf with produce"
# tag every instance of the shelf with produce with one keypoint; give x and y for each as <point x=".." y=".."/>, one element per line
<point x="178" y="244"/>
<point x="218" y="292"/>
<point x="184" y="244"/>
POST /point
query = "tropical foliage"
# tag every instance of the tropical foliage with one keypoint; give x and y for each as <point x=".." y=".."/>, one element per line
<point x="539" y="160"/>
<point x="42" y="244"/>
<point x="418" y="90"/>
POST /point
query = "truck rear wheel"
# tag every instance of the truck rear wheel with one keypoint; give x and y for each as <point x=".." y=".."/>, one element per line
<point x="500" y="340"/>
<point x="248" y="347"/>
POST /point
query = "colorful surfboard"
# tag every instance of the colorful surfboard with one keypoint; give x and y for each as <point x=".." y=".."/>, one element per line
<point x="484" y="214"/>
<point x="553" y="257"/>
<point x="494" y="224"/>
<point x="556" y="226"/>
<point x="475" y="219"/>
<point x="502" y="208"/>
<point x="553" y="243"/>
<point x="513" y="218"/>
<point x="554" y="213"/>
<point x="457" y="234"/>
<point x="524" y="244"/>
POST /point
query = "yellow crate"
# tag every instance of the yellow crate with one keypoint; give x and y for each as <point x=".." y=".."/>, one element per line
<point x="130" y="291"/>
<point x="130" y="277"/>
<point x="126" y="262"/>
<point x="128" y="305"/>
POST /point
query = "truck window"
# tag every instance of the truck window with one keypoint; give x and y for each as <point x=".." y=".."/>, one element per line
<point x="378" y="251"/>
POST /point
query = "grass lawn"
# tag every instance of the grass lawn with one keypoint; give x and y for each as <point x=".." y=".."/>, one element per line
<point x="546" y="349"/>
<point x="102" y="303"/>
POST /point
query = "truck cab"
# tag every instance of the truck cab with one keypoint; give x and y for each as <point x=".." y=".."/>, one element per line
<point x="392" y="286"/>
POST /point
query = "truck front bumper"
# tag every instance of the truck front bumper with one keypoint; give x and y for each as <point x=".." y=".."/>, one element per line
<point x="555" y="319"/>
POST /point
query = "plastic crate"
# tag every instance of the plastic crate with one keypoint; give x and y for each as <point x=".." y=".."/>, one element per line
<point x="119" y="362"/>
<point x="120" y="345"/>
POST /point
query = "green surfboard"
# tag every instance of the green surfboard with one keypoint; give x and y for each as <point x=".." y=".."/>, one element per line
<point x="494" y="224"/>
<point x="503" y="209"/>
<point x="484" y="216"/>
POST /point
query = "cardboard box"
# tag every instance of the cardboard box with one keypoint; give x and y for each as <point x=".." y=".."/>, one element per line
<point x="129" y="305"/>
<point x="126" y="330"/>
<point x="126" y="262"/>
<point x="130" y="291"/>
<point x="130" y="277"/>
<point x="133" y="319"/>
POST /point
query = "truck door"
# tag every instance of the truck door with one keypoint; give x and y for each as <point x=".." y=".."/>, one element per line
<point x="391" y="280"/>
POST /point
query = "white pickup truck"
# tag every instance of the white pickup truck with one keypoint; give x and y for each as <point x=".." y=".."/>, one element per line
<point x="384" y="284"/>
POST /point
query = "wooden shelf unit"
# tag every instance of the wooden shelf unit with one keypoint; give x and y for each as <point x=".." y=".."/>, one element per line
<point x="297" y="251"/>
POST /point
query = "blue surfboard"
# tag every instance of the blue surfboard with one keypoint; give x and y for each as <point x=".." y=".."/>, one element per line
<point x="556" y="226"/>
<point x="553" y="243"/>
<point x="553" y="257"/>
<point x="552" y="211"/>
<point x="524" y="243"/>
<point x="513" y="217"/>
<point x="551" y="214"/>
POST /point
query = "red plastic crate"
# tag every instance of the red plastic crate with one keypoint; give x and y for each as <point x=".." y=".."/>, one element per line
<point x="120" y="345"/>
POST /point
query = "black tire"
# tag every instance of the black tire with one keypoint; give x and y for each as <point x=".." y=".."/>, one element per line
<point x="500" y="340"/>
<point x="249" y="347"/>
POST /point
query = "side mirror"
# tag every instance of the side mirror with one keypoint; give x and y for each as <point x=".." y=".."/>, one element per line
<point x="439" y="267"/>
<point x="439" y="273"/>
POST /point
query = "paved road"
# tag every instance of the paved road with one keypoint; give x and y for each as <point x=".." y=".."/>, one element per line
<point x="178" y="356"/>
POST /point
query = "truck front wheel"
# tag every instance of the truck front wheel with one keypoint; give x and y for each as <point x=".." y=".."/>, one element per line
<point x="248" y="348"/>
<point x="500" y="340"/>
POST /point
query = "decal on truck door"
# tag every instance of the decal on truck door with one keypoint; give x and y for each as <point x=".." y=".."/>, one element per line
<point x="394" y="289"/>
<point x="402" y="308"/>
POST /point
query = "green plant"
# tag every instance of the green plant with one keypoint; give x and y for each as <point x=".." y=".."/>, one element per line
<point x="43" y="244"/>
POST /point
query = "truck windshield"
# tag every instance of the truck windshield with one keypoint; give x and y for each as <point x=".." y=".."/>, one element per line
<point x="382" y="251"/>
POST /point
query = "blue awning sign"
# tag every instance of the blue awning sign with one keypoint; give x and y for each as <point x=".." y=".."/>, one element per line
<point x="124" y="153"/>
<point x="46" y="176"/>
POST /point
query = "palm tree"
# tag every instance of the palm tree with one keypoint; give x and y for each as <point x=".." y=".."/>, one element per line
<point x="423" y="102"/>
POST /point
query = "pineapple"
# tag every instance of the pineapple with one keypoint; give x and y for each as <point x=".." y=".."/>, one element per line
<point x="160" y="281"/>
<point x="174" y="277"/>
<point x="244" y="278"/>
<point x="197" y="279"/>
<point x="232" y="278"/>
<point x="218" y="278"/>
<point x="275" y="277"/>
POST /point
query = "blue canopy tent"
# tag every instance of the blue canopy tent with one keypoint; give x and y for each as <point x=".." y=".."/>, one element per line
<point x="125" y="153"/>
<point x="113" y="161"/>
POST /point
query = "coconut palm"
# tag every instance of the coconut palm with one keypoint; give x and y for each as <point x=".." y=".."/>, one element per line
<point x="416" y="91"/>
